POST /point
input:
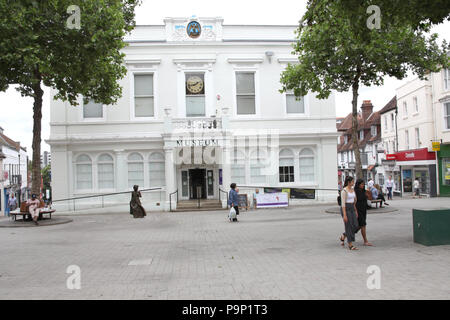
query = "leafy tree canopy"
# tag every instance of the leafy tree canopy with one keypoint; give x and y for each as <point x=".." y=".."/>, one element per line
<point x="37" y="45"/>
<point x="336" y="49"/>
<point x="419" y="14"/>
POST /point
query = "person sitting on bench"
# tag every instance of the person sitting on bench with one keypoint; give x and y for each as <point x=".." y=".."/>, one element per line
<point x="33" y="208"/>
<point x="377" y="194"/>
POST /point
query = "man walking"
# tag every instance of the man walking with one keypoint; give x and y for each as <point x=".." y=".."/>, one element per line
<point x="12" y="202"/>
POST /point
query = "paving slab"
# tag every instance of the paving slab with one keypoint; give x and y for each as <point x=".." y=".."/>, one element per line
<point x="291" y="253"/>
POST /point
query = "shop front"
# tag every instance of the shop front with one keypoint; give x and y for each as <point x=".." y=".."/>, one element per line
<point x="417" y="164"/>
<point x="444" y="170"/>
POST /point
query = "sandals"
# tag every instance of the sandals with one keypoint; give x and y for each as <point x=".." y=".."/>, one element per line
<point x="353" y="248"/>
<point x="342" y="238"/>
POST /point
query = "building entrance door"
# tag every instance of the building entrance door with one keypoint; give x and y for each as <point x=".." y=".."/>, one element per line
<point x="424" y="179"/>
<point x="197" y="183"/>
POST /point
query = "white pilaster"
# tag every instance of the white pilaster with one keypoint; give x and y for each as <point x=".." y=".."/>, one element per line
<point x="226" y="170"/>
<point x="121" y="171"/>
<point x="170" y="177"/>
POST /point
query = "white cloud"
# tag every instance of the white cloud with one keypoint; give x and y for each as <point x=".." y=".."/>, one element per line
<point x="17" y="118"/>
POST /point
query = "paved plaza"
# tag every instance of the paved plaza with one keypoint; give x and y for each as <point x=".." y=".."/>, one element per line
<point x="291" y="253"/>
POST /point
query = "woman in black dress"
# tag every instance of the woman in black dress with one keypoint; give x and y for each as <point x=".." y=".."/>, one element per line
<point x="136" y="208"/>
<point x="361" y="206"/>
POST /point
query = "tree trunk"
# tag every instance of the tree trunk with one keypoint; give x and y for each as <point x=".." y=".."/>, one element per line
<point x="355" y="137"/>
<point x="37" y="117"/>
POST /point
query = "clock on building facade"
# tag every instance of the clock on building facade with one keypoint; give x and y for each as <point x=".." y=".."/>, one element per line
<point x="194" y="85"/>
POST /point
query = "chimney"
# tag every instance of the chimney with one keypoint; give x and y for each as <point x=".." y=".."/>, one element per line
<point x="367" y="109"/>
<point x="1" y="130"/>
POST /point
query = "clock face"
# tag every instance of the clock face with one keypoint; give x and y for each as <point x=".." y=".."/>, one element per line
<point x="194" y="84"/>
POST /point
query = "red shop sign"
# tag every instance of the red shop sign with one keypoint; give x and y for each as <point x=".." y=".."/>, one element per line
<point x="413" y="155"/>
<point x="391" y="157"/>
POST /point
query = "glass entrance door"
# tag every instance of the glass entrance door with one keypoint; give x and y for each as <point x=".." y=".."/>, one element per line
<point x="197" y="184"/>
<point x="423" y="180"/>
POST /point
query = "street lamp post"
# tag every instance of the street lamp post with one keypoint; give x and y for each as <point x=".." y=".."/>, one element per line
<point x="19" y="182"/>
<point x="2" y="156"/>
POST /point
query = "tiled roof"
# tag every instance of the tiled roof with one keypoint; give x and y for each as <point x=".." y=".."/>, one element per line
<point x="391" y="105"/>
<point x="374" y="119"/>
<point x="9" y="142"/>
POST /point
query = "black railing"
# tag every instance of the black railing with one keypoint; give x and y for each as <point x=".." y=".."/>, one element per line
<point x="105" y="194"/>
<point x="170" y="199"/>
<point x="287" y="187"/>
<point x="102" y="196"/>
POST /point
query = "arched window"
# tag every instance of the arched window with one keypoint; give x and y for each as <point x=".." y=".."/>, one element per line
<point x="286" y="166"/>
<point x="83" y="172"/>
<point x="135" y="170"/>
<point x="257" y="165"/>
<point x="306" y="165"/>
<point x="238" y="168"/>
<point x="105" y="172"/>
<point x="156" y="169"/>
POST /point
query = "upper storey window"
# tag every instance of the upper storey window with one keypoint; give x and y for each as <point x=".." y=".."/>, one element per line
<point x="245" y="93"/>
<point x="195" y="94"/>
<point x="143" y="95"/>
<point x="92" y="110"/>
<point x="294" y="105"/>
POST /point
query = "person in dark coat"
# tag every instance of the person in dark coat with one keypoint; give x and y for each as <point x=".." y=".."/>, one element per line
<point x="136" y="208"/>
<point x="233" y="199"/>
<point x="361" y="206"/>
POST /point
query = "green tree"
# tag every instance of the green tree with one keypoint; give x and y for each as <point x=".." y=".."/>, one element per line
<point x="338" y="51"/>
<point x="420" y="14"/>
<point x="42" y="43"/>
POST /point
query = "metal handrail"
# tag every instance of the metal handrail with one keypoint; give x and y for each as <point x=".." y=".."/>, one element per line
<point x="170" y="199"/>
<point x="105" y="194"/>
<point x="288" y="187"/>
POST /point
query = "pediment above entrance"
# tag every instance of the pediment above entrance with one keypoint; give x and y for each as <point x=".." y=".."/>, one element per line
<point x="193" y="29"/>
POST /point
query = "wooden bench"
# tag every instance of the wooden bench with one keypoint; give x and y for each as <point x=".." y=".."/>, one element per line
<point x="26" y="215"/>
<point x="370" y="198"/>
<point x="378" y="201"/>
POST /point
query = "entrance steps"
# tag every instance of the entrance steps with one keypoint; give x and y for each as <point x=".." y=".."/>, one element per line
<point x="192" y="205"/>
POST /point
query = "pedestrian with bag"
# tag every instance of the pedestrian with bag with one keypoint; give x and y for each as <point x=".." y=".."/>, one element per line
<point x="349" y="213"/>
<point x="233" y="202"/>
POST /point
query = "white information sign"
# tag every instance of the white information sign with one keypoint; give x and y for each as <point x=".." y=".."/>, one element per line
<point x="272" y="200"/>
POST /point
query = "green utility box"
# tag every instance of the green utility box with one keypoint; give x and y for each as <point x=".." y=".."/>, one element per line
<point x="431" y="227"/>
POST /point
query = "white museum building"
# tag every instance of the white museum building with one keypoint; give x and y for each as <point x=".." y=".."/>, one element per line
<point x="201" y="108"/>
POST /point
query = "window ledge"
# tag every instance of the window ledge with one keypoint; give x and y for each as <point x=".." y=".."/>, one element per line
<point x="415" y="114"/>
